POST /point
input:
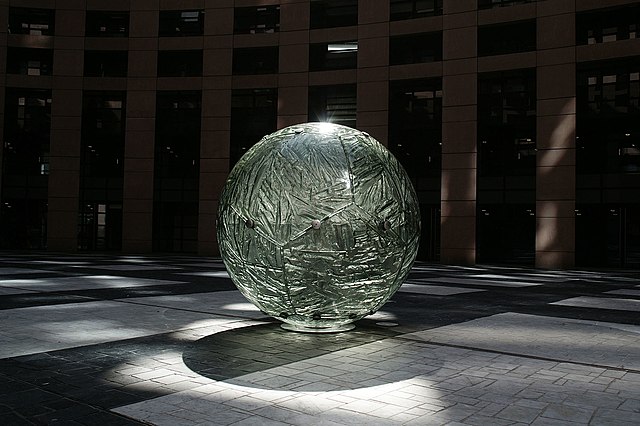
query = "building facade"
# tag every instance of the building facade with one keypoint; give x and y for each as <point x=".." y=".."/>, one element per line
<point x="518" y="121"/>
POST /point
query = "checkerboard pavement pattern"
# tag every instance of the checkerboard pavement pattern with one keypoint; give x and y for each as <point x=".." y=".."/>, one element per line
<point x="111" y="340"/>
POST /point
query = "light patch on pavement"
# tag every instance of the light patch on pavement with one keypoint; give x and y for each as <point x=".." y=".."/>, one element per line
<point x="601" y="303"/>
<point x="87" y="282"/>
<point x="625" y="292"/>
<point x="561" y="339"/>
<point x="46" y="328"/>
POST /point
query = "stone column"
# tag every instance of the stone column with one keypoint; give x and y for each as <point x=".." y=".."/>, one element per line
<point x="66" y="121"/>
<point x="373" y="70"/>
<point x="459" y="132"/>
<point x="216" y="120"/>
<point x="293" y="78"/>
<point x="4" y="18"/>
<point x="556" y="134"/>
<point x="137" y="200"/>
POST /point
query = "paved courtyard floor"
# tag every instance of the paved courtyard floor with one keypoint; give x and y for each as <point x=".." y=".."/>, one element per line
<point x="124" y="340"/>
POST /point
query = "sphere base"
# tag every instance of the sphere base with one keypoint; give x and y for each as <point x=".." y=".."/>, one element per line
<point x="318" y="330"/>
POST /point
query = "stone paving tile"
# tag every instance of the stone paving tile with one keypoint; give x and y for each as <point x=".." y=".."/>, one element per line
<point x="557" y="338"/>
<point x="190" y="370"/>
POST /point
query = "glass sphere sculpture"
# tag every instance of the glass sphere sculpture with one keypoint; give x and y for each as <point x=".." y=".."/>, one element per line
<point x="318" y="226"/>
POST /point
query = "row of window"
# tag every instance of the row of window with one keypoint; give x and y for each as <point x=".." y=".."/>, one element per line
<point x="608" y="134"/>
<point x="591" y="27"/>
<point x="247" y="20"/>
<point x="405" y="49"/>
<point x="513" y="37"/>
<point x="259" y="60"/>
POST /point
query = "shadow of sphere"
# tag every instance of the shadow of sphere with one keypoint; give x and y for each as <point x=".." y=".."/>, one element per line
<point x="232" y="355"/>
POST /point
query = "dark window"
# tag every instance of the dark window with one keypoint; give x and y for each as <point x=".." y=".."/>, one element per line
<point x="609" y="91"/>
<point x="489" y="4"/>
<point x="253" y="114"/>
<point x="176" y="171"/>
<point x="415" y="135"/>
<point x="415" y="48"/>
<point x="334" y="104"/>
<point x="608" y="119"/>
<point x="101" y="171"/>
<point x="333" y="13"/>
<point x="179" y="63"/>
<point x="608" y="234"/>
<point x="506" y="184"/>
<point x="23" y="20"/>
<point x="255" y="60"/>
<point x="333" y="56"/>
<point x="26" y="133"/>
<point x="181" y="23"/>
<point x="28" y="61"/>
<point x="178" y="133"/>
<point x="256" y="19"/>
<point x="602" y="26"/>
<point x="517" y="245"/>
<point x="105" y="63"/>
<point x="415" y="121"/>
<point x="507" y="123"/>
<point x="409" y="9"/>
<point x="25" y="169"/>
<point x="23" y="223"/>
<point x="102" y="134"/>
<point x="107" y="24"/>
<point x="507" y="38"/>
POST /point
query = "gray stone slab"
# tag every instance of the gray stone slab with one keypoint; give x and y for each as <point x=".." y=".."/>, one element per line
<point x="220" y="302"/>
<point x="16" y="271"/>
<point x="482" y="282"/>
<point x="6" y="291"/>
<point x="47" y="328"/>
<point x="128" y="267"/>
<point x="83" y="282"/>
<point x="214" y="274"/>
<point x="601" y="303"/>
<point x="591" y="342"/>
<point x="626" y="292"/>
<point x="415" y="286"/>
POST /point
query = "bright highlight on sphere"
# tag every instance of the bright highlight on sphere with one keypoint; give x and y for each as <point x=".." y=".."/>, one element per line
<point x="318" y="225"/>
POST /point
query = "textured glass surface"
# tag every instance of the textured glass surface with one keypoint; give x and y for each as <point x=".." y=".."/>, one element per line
<point x="318" y="225"/>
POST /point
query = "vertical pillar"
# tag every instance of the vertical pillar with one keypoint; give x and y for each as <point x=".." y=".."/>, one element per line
<point x="293" y="78"/>
<point x="373" y="71"/>
<point x="4" y="19"/>
<point x="66" y="120"/>
<point x="459" y="132"/>
<point x="216" y="120"/>
<point x="137" y="198"/>
<point x="556" y="133"/>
